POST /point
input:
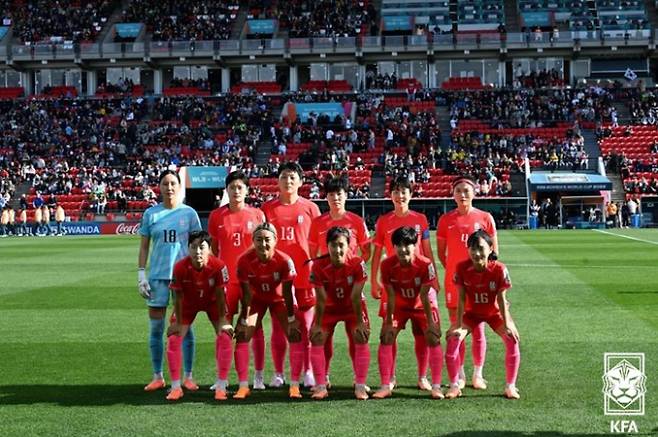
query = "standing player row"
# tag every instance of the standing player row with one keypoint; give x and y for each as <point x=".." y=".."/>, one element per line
<point x="301" y="233"/>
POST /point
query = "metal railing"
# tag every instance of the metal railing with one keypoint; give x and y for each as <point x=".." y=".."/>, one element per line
<point x="367" y="44"/>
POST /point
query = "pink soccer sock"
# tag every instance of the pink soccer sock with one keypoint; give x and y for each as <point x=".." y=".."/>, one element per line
<point x="452" y="359"/>
<point x="174" y="356"/>
<point x="436" y="363"/>
<point x="351" y="346"/>
<point x="394" y="357"/>
<point x="279" y="344"/>
<point x="328" y="353"/>
<point x="479" y="345"/>
<point x="319" y="364"/>
<point x="512" y="359"/>
<point x="422" y="354"/>
<point x="307" y="321"/>
<point x="242" y="361"/>
<point x="361" y="362"/>
<point x="462" y="353"/>
<point x="385" y="356"/>
<point x="223" y="355"/>
<point x="297" y="360"/>
<point x="258" y="349"/>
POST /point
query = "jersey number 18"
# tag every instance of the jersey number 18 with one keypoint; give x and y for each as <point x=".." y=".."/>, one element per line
<point x="169" y="236"/>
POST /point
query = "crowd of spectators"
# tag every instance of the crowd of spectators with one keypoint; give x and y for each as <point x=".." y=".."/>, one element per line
<point x="184" y="20"/>
<point x="539" y="79"/>
<point x="61" y="20"/>
<point x="643" y="108"/>
<point x="328" y="18"/>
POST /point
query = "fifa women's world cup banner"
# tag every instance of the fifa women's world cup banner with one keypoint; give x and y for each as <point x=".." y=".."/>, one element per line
<point x="101" y="228"/>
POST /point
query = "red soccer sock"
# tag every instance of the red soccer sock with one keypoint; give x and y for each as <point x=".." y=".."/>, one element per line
<point x="279" y="344"/>
<point x="512" y="359"/>
<point x="385" y="356"/>
<point x="478" y="345"/>
<point x="223" y="355"/>
<point x="462" y="353"/>
<point x="242" y="361"/>
<point x="361" y="362"/>
<point x="297" y="361"/>
<point x="319" y="364"/>
<point x="452" y="359"/>
<point x="394" y="357"/>
<point x="436" y="363"/>
<point x="307" y="321"/>
<point x="422" y="354"/>
<point x="258" y="349"/>
<point x="174" y="356"/>
<point x="328" y="354"/>
<point x="351" y="348"/>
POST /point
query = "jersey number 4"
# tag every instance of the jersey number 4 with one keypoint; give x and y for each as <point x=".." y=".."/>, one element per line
<point x="169" y="235"/>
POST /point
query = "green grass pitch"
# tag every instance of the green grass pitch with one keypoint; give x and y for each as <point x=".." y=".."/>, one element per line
<point x="73" y="354"/>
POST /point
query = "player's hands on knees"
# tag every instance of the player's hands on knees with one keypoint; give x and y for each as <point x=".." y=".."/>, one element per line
<point x="241" y="332"/>
<point x="511" y="331"/>
<point x="174" y="329"/>
<point x="143" y="287"/>
<point x="456" y="331"/>
<point x="376" y="289"/>
<point x="294" y="331"/>
<point x="361" y="333"/>
<point x="388" y="334"/>
<point x="316" y="335"/>
<point x="226" y="327"/>
<point x="433" y="334"/>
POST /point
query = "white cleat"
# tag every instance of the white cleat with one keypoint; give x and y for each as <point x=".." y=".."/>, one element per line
<point x="259" y="382"/>
<point x="309" y="379"/>
<point x="278" y="380"/>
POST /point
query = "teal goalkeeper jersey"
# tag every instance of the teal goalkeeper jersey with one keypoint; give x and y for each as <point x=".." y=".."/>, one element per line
<point x="168" y="230"/>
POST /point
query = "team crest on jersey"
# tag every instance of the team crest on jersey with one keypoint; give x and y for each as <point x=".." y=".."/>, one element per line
<point x="350" y="280"/>
<point x="417" y="227"/>
<point x="363" y="267"/>
<point x="492" y="285"/>
<point x="277" y="276"/>
<point x="291" y="267"/>
<point x="431" y="271"/>
<point x="225" y="275"/>
<point x="182" y="222"/>
<point x="476" y="227"/>
<point x="250" y="225"/>
<point x="300" y="219"/>
<point x="417" y="282"/>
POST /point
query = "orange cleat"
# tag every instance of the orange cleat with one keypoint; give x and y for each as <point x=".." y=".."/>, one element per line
<point x="361" y="393"/>
<point x="453" y="392"/>
<point x="437" y="393"/>
<point x="156" y="384"/>
<point x="512" y="393"/>
<point x="294" y="393"/>
<point x="479" y="383"/>
<point x="175" y="394"/>
<point x="220" y="395"/>
<point x="190" y="385"/>
<point x="320" y="393"/>
<point x="382" y="393"/>
<point x="242" y="393"/>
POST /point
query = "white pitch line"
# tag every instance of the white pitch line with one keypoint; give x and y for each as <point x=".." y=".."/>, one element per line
<point x="575" y="266"/>
<point x="626" y="236"/>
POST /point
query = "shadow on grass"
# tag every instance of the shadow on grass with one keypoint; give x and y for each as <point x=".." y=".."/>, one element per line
<point x="525" y="434"/>
<point x="132" y="394"/>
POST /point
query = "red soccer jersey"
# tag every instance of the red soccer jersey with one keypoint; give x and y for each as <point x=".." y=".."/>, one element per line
<point x="482" y="288"/>
<point x="321" y="225"/>
<point x="232" y="231"/>
<point x="388" y="223"/>
<point x="293" y="225"/>
<point x="338" y="282"/>
<point x="455" y="229"/>
<point x="265" y="278"/>
<point x="197" y="287"/>
<point x="407" y="280"/>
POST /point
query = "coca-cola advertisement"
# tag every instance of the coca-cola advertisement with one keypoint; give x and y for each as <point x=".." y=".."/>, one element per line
<point x="101" y="228"/>
<point x="121" y="228"/>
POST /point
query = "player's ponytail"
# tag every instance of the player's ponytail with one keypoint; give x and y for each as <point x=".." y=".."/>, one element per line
<point x="332" y="235"/>
<point x="474" y="238"/>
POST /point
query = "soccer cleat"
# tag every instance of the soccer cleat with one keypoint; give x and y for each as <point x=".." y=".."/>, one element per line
<point x="309" y="379"/>
<point x="437" y="393"/>
<point x="220" y="395"/>
<point x="278" y="380"/>
<point x="175" y="394"/>
<point x="328" y="383"/>
<point x="394" y="383"/>
<point x="424" y="384"/>
<point x="294" y="393"/>
<point x="242" y="393"/>
<point x="512" y="393"/>
<point x="361" y="393"/>
<point x="320" y="393"/>
<point x="259" y="383"/>
<point x="154" y="385"/>
<point x="190" y="385"/>
<point x="462" y="383"/>
<point x="479" y="383"/>
<point x="453" y="392"/>
<point x="383" y="393"/>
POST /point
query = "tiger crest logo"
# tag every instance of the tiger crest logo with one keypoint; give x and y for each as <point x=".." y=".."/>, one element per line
<point x="624" y="384"/>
